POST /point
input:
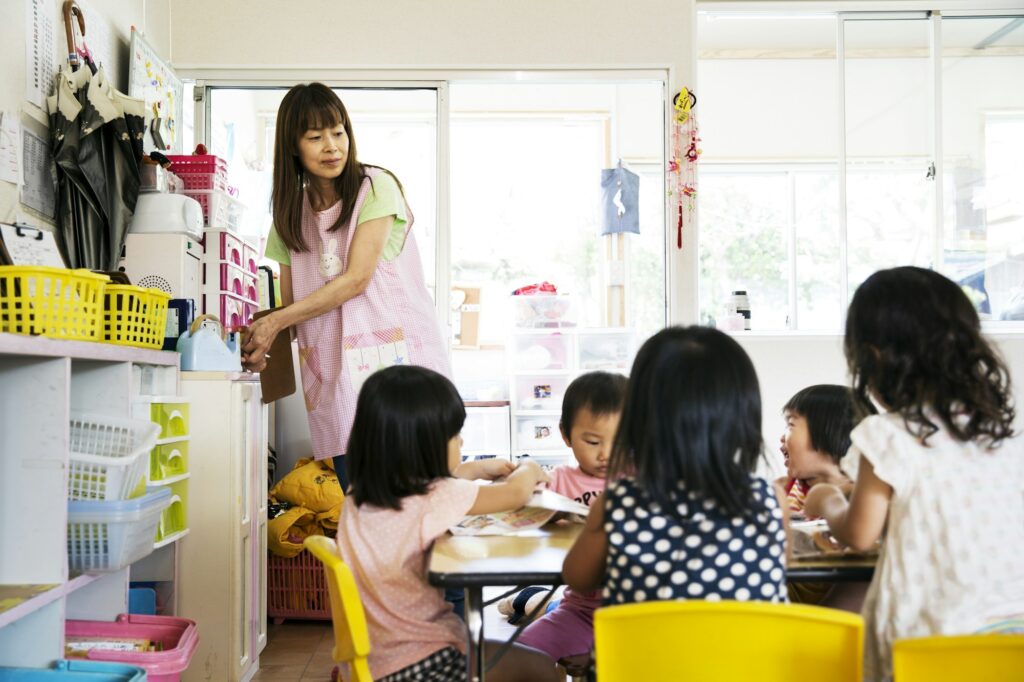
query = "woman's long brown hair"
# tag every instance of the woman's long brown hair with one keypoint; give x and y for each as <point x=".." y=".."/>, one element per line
<point x="305" y="107"/>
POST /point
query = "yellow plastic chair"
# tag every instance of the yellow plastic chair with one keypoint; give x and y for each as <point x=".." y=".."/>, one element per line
<point x="726" y="642"/>
<point x="351" y="636"/>
<point x="971" y="658"/>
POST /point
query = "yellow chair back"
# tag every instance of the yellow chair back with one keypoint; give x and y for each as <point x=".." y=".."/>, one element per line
<point x="351" y="636"/>
<point x="971" y="658"/>
<point x="726" y="642"/>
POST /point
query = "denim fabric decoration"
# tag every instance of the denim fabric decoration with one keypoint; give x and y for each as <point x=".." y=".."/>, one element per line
<point x="620" y="199"/>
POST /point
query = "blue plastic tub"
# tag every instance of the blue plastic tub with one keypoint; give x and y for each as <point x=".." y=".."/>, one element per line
<point x="76" y="671"/>
<point x="106" y="536"/>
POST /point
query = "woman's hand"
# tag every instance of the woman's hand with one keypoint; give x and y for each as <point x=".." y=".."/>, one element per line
<point x="256" y="342"/>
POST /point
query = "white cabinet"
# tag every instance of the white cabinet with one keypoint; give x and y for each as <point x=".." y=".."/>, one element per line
<point x="41" y="381"/>
<point x="542" y="364"/>
<point x="222" y="583"/>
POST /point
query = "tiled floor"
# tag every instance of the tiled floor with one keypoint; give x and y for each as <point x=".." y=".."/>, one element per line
<point x="300" y="651"/>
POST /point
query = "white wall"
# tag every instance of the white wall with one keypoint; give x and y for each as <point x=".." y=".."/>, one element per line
<point x="786" y="363"/>
<point x="111" y="19"/>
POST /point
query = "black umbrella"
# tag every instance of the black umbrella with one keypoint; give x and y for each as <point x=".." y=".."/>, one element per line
<point x="96" y="137"/>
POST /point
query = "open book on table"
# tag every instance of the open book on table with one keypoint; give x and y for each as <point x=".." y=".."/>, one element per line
<point x="812" y="540"/>
<point x="538" y="510"/>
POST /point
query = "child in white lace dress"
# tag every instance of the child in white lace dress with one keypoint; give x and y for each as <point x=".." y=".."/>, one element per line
<point x="941" y="471"/>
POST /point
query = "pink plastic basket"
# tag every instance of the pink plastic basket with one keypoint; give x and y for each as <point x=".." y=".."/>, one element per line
<point x="297" y="588"/>
<point x="193" y="181"/>
<point x="197" y="163"/>
<point x="178" y="638"/>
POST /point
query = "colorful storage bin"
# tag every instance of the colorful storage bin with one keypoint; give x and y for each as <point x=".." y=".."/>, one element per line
<point x="297" y="588"/>
<point x="174" y="519"/>
<point x="76" y="671"/>
<point x="169" y="413"/>
<point x="220" y="209"/>
<point x="54" y="302"/>
<point x="178" y="638"/>
<point x="107" y="536"/>
<point x="134" y="316"/>
<point x="108" y="455"/>
<point x="168" y="460"/>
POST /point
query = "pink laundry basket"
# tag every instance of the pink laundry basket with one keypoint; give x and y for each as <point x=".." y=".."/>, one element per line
<point x="178" y="637"/>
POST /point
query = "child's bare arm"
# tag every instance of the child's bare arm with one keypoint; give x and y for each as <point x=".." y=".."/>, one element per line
<point x="859" y="523"/>
<point x="511" y="493"/>
<point x="584" y="566"/>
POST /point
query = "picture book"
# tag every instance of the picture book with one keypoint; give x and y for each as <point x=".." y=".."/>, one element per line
<point x="539" y="509"/>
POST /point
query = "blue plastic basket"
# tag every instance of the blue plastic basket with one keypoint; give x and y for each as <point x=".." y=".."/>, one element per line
<point x="76" y="671"/>
<point x="107" y="536"/>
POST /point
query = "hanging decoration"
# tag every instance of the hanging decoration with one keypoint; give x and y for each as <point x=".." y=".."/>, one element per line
<point x="682" y="167"/>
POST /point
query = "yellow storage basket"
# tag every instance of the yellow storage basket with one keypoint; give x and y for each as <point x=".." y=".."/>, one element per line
<point x="54" y="302"/>
<point x="134" y="316"/>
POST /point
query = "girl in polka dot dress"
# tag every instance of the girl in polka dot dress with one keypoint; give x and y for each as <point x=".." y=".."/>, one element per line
<point x="684" y="516"/>
<point x="941" y="472"/>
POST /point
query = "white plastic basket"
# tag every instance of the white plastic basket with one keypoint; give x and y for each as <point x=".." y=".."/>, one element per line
<point x="109" y="455"/>
<point x="107" y="536"/>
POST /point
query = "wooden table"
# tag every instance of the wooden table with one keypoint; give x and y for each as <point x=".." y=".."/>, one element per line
<point x="535" y="558"/>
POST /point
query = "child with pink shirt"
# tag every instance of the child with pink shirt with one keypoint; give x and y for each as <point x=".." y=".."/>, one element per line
<point x="590" y="416"/>
<point x="407" y="488"/>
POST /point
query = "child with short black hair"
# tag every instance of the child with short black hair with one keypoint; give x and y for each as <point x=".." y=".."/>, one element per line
<point x="590" y="416"/>
<point x="407" y="489"/>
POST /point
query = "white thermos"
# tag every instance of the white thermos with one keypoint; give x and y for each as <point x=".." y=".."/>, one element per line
<point x="739" y="303"/>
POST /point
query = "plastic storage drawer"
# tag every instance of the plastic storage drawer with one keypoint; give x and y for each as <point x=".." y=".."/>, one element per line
<point x="540" y="391"/>
<point x="108" y="455"/>
<point x="222" y="245"/>
<point x="541" y="351"/>
<point x="538" y="433"/>
<point x="107" y="536"/>
<point x="168" y="460"/>
<point x="174" y="519"/>
<point x="177" y="638"/>
<point x="606" y="349"/>
<point x="76" y="671"/>
<point x="233" y="311"/>
<point x="250" y="259"/>
<point x="170" y="413"/>
<point x="544" y="311"/>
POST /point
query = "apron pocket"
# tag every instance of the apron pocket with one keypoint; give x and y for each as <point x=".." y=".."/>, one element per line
<point x="372" y="351"/>
<point x="312" y="378"/>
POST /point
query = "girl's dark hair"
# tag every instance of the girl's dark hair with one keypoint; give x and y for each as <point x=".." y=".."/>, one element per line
<point x="913" y="342"/>
<point x="405" y="417"/>
<point x="600" y="392"/>
<point x="310" y="107"/>
<point x="829" y="411"/>
<point x="692" y="416"/>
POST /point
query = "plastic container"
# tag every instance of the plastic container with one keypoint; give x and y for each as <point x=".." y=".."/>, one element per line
<point x="606" y="349"/>
<point x="486" y="431"/>
<point x="232" y="310"/>
<point x="193" y="181"/>
<point x="168" y="460"/>
<point x="544" y="311"/>
<point x="134" y="316"/>
<point x="174" y="519"/>
<point x="297" y="588"/>
<point x="108" y="455"/>
<point x="178" y="638"/>
<point x="142" y="601"/>
<point x="76" y="671"/>
<point x="540" y="391"/>
<point x="250" y="259"/>
<point x="538" y="433"/>
<point x="197" y="163"/>
<point x="107" y="536"/>
<point x="224" y="246"/>
<point x="219" y="208"/>
<point x="169" y="412"/>
<point x="541" y="351"/>
<point x="54" y="302"/>
<point x="222" y="276"/>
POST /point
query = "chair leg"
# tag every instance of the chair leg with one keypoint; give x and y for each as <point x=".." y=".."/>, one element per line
<point x="576" y="667"/>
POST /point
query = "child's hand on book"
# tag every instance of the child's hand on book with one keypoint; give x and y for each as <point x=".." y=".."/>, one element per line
<point x="530" y="468"/>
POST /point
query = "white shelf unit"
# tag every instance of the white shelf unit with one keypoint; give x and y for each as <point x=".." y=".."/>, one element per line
<point x="223" y="579"/>
<point x="41" y="381"/>
<point x="542" y="364"/>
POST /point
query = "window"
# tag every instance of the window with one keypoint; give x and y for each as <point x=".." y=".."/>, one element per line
<point x="782" y="219"/>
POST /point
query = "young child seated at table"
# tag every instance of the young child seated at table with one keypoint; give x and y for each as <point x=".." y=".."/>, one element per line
<point x="407" y="488"/>
<point x="590" y="415"/>
<point x="683" y="515"/>
<point x="941" y="472"/>
<point x="818" y="423"/>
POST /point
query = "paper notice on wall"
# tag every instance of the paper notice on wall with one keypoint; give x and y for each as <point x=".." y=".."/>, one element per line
<point x="10" y="147"/>
<point x="40" y="50"/>
<point x="37" y="191"/>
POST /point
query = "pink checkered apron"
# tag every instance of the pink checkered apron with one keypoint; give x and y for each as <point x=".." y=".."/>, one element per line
<point x="393" y="322"/>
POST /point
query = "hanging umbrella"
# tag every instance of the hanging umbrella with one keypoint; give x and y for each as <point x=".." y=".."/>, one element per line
<point x="96" y="137"/>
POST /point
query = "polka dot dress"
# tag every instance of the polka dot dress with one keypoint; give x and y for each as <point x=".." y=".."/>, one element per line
<point x="707" y="555"/>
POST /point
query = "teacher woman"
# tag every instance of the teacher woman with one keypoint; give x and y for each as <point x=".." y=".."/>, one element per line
<point x="351" y="279"/>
